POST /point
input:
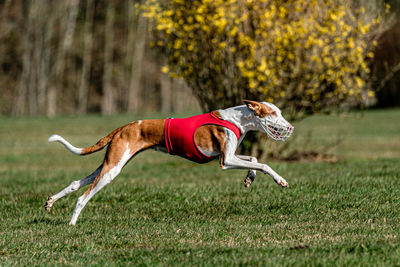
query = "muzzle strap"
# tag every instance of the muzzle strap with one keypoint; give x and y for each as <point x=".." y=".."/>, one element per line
<point x="276" y="131"/>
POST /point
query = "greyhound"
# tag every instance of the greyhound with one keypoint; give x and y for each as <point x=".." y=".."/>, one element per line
<point x="200" y="138"/>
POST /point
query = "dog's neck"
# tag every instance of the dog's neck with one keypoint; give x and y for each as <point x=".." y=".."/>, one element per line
<point x="241" y="116"/>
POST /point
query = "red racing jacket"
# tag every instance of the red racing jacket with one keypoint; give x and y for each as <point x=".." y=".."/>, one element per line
<point x="179" y="135"/>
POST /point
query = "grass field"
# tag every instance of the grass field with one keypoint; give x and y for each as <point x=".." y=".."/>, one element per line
<point x="162" y="210"/>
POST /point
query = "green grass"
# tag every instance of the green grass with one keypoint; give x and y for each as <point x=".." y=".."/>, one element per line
<point x="162" y="210"/>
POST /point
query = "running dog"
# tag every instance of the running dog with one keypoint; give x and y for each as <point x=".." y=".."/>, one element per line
<point x="200" y="138"/>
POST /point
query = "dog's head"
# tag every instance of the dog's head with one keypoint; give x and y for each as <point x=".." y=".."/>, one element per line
<point x="268" y="119"/>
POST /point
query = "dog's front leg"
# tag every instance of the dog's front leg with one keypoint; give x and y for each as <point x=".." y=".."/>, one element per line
<point x="234" y="162"/>
<point x="277" y="178"/>
<point x="231" y="161"/>
<point x="251" y="174"/>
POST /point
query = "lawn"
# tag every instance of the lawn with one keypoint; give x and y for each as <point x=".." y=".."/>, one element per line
<point x="163" y="210"/>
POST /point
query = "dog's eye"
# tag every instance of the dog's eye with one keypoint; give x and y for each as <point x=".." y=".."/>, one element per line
<point x="273" y="113"/>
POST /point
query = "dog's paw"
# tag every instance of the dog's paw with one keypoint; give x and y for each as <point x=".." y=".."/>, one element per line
<point x="247" y="182"/>
<point x="282" y="182"/>
<point x="48" y="204"/>
<point x="249" y="178"/>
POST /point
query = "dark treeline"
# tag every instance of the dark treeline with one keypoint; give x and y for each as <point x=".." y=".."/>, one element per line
<point x="81" y="56"/>
<point x="386" y="63"/>
<point x="386" y="67"/>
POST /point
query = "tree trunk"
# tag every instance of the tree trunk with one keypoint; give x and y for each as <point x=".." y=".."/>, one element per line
<point x="44" y="71"/>
<point x="108" y="105"/>
<point x="60" y="60"/>
<point x="129" y="50"/>
<point x="4" y="13"/>
<point x="165" y="82"/>
<point x="178" y="93"/>
<point x="36" y="55"/>
<point x="22" y="91"/>
<point x="87" y="58"/>
<point x="136" y="68"/>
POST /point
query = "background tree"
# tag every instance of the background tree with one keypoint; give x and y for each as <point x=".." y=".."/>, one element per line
<point x="306" y="56"/>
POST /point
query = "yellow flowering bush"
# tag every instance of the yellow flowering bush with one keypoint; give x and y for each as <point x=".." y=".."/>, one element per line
<point x="305" y="56"/>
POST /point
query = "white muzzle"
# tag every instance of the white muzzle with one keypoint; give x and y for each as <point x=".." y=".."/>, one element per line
<point x="278" y="129"/>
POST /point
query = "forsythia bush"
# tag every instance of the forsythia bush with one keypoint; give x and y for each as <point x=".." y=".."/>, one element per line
<point x="304" y="55"/>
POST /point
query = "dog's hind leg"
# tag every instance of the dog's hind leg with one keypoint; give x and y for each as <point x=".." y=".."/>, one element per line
<point x="125" y="144"/>
<point x="121" y="149"/>
<point x="74" y="186"/>
<point x="109" y="171"/>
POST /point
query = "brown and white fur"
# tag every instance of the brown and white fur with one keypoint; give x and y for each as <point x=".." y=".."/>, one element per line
<point x="134" y="137"/>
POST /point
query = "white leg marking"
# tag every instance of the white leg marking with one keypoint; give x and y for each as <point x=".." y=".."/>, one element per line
<point x="74" y="186"/>
<point x="106" y="179"/>
<point x="232" y="161"/>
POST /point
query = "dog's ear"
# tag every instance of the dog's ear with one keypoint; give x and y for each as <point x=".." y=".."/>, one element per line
<point x="253" y="105"/>
<point x="258" y="108"/>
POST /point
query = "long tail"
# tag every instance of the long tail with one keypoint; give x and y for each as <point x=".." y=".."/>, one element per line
<point x="85" y="151"/>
